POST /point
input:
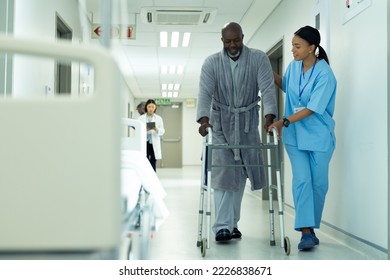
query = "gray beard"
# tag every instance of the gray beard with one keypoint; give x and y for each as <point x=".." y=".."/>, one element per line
<point x="234" y="55"/>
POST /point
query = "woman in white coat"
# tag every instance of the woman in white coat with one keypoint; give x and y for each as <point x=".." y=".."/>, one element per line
<point x="155" y="129"/>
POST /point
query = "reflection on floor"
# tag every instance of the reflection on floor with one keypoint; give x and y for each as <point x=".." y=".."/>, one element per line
<point x="176" y="238"/>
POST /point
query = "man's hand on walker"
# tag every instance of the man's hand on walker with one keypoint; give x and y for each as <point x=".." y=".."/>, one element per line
<point x="269" y="119"/>
<point x="204" y="124"/>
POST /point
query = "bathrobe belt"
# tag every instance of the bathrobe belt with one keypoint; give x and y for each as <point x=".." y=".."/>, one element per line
<point x="236" y="112"/>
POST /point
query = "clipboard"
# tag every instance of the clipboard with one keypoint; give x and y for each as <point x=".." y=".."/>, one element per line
<point x="151" y="125"/>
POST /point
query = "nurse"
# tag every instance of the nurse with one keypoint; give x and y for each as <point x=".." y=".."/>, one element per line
<point x="308" y="129"/>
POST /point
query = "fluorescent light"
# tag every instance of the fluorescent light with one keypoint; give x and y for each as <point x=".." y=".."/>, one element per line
<point x="175" y="39"/>
<point x="164" y="69"/>
<point x="175" y="36"/>
<point x="163" y="39"/>
<point x="186" y="39"/>
<point x="170" y="90"/>
<point x="180" y="69"/>
<point x="172" y="69"/>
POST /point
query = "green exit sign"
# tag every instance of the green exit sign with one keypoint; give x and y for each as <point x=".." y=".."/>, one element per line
<point x="163" y="101"/>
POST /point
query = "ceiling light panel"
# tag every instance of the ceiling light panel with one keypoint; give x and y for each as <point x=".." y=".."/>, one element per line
<point x="163" y="39"/>
<point x="186" y="39"/>
<point x="172" y="69"/>
<point x="174" y="38"/>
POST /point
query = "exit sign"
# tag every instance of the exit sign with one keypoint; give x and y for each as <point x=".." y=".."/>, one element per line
<point x="163" y="101"/>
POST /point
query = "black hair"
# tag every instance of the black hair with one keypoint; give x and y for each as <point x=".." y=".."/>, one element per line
<point x="142" y="104"/>
<point x="150" y="101"/>
<point x="313" y="37"/>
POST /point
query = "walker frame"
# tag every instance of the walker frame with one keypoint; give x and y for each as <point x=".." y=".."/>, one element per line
<point x="204" y="241"/>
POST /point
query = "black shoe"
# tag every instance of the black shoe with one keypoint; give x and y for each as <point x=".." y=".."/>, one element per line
<point x="223" y="235"/>
<point x="236" y="233"/>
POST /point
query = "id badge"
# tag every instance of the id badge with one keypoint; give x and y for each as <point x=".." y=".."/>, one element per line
<point x="298" y="108"/>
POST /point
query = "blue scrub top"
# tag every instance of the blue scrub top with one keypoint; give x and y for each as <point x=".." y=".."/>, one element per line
<point x="316" y="132"/>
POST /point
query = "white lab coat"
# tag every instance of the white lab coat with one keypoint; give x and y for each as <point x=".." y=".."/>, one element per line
<point x="155" y="136"/>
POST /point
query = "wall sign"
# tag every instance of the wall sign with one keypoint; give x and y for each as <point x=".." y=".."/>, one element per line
<point x="118" y="31"/>
<point x="352" y="8"/>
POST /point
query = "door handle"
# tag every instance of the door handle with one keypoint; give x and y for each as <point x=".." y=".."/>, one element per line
<point x="171" y="139"/>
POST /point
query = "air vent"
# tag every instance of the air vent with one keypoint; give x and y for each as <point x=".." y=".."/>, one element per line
<point x="176" y="16"/>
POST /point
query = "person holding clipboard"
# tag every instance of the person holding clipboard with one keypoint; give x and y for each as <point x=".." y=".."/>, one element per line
<point x="155" y="129"/>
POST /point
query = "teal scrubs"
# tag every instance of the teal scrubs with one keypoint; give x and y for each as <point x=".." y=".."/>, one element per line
<point x="310" y="142"/>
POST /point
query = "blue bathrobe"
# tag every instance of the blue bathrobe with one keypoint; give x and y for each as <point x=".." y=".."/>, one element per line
<point x="234" y="113"/>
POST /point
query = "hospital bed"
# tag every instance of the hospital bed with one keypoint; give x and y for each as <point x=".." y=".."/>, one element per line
<point x="273" y="165"/>
<point x="61" y="162"/>
<point x="144" y="207"/>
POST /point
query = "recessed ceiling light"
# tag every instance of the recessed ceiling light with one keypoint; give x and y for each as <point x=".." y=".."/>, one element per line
<point x="164" y="69"/>
<point x="180" y="69"/>
<point x="163" y="39"/>
<point x="175" y="39"/>
<point x="186" y="39"/>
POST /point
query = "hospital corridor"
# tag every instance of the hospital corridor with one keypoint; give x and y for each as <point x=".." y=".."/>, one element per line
<point x="177" y="236"/>
<point x="104" y="108"/>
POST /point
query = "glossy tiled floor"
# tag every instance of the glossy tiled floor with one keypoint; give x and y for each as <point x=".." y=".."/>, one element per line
<point x="177" y="237"/>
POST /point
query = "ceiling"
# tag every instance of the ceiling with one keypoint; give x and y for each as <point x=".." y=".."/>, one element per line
<point x="141" y="58"/>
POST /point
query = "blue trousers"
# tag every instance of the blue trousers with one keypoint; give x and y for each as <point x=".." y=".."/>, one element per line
<point x="309" y="185"/>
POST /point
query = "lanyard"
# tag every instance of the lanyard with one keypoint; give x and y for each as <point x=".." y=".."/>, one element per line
<point x="300" y="80"/>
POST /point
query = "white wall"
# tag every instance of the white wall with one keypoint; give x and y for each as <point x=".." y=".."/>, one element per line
<point x="37" y="19"/>
<point x="357" y="198"/>
<point x="388" y="132"/>
<point x="192" y="140"/>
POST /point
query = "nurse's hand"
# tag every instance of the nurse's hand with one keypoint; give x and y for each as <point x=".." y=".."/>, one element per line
<point x="278" y="125"/>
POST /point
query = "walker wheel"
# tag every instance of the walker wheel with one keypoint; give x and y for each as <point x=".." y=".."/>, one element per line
<point x="287" y="246"/>
<point x="203" y="247"/>
<point x="129" y="253"/>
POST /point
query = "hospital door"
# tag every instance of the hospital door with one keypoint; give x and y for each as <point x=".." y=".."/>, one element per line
<point x="171" y="141"/>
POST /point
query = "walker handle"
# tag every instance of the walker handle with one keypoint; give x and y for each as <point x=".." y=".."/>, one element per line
<point x="275" y="135"/>
<point x="208" y="138"/>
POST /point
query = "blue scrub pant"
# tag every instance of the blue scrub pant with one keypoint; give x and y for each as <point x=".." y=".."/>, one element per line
<point x="309" y="185"/>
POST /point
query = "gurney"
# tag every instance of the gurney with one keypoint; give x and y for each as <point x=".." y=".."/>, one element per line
<point x="59" y="156"/>
<point x="203" y="241"/>
<point x="143" y="207"/>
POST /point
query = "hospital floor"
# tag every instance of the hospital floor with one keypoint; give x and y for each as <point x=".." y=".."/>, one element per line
<point x="176" y="238"/>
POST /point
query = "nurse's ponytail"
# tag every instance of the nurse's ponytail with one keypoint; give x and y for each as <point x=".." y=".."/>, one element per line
<point x="313" y="37"/>
<point x="322" y="54"/>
